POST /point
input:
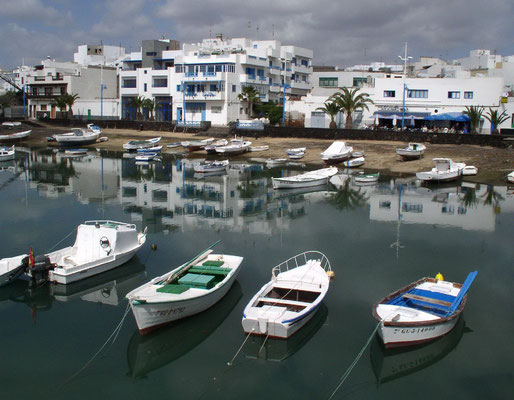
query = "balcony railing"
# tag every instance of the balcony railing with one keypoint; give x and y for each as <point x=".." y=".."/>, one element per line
<point x="190" y="74"/>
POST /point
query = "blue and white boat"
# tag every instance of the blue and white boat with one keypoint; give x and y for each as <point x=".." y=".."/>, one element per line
<point x="154" y="149"/>
<point x="292" y="297"/>
<point x="422" y="311"/>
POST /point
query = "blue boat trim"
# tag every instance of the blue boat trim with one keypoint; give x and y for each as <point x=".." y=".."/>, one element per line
<point x="293" y="320"/>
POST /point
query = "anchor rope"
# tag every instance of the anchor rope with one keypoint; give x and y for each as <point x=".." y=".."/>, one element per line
<point x="62" y="240"/>
<point x="354" y="363"/>
<point x="240" y="348"/>
<point x="114" y="333"/>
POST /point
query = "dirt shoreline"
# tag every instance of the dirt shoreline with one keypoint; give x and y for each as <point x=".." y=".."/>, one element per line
<point x="493" y="163"/>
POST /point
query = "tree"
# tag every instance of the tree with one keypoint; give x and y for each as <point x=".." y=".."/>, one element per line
<point x="349" y="101"/>
<point x="150" y="105"/>
<point x="347" y="198"/>
<point x="331" y="109"/>
<point x="138" y="104"/>
<point x="251" y="96"/>
<point x="69" y="100"/>
<point x="60" y="103"/>
<point x="475" y="115"/>
<point x="271" y="111"/>
<point x="496" y="119"/>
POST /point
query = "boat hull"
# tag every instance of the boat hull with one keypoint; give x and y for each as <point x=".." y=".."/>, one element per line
<point x="15" y="137"/>
<point x="409" y="154"/>
<point x="281" y="183"/>
<point x="150" y="316"/>
<point x="12" y="275"/>
<point x="76" y="141"/>
<point x="445" y="177"/>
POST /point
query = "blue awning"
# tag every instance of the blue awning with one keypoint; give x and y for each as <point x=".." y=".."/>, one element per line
<point x="451" y="116"/>
<point x="392" y="114"/>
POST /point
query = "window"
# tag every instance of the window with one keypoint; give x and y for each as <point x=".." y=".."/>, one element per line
<point x="305" y="63"/>
<point x="454" y="95"/>
<point x="128" y="83"/>
<point x="389" y="93"/>
<point x="233" y="88"/>
<point x="48" y="91"/>
<point x="178" y="88"/>
<point x="216" y="110"/>
<point x="468" y="95"/>
<point x="145" y="87"/>
<point x="63" y="90"/>
<point x="254" y="46"/>
<point x="43" y="107"/>
<point x="151" y="53"/>
<point x="417" y="94"/>
<point x="212" y="87"/>
<point x="178" y="69"/>
<point x="358" y="81"/>
<point x="328" y="82"/>
<point x="160" y="82"/>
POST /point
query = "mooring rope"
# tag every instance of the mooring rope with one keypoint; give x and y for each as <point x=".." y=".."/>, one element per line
<point x="237" y="352"/>
<point x="354" y="363"/>
<point x="62" y="240"/>
<point x="114" y="333"/>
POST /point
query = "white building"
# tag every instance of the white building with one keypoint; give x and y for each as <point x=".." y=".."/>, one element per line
<point x="88" y="54"/>
<point x="205" y="79"/>
<point x="96" y="87"/>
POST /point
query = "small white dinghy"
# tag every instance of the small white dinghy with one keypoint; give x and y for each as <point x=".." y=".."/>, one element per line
<point x="77" y="137"/>
<point x="11" y="268"/>
<point x="264" y="147"/>
<point x="75" y="152"/>
<point x="15" y="137"/>
<point x="153" y="149"/>
<point x="354" y="162"/>
<point x="292" y="297"/>
<point x="195" y="145"/>
<point x="296" y="150"/>
<point x="296" y="156"/>
<point x="100" y="246"/>
<point x="444" y="170"/>
<point x="412" y="151"/>
<point x="363" y="178"/>
<point x="133" y="145"/>
<point x="7" y="153"/>
<point x="273" y="162"/>
<point x="311" y="178"/>
<point x="146" y="157"/>
<point x="422" y="311"/>
<point x="187" y="290"/>
<point x="211" y="166"/>
<point x="469" y="170"/>
<point x="338" y="151"/>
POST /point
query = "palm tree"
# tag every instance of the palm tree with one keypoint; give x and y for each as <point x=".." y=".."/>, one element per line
<point x="150" y="105"/>
<point x="475" y="115"/>
<point x="348" y="198"/>
<point x="331" y="109"/>
<point x="251" y="96"/>
<point x="492" y="198"/>
<point x="60" y="102"/>
<point x="349" y="101"/>
<point x="470" y="198"/>
<point x="495" y="119"/>
<point x="138" y="104"/>
<point x="69" y="99"/>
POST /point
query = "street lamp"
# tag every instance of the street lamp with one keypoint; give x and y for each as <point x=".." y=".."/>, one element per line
<point x="405" y="58"/>
<point x="284" y="103"/>
<point x="102" y="87"/>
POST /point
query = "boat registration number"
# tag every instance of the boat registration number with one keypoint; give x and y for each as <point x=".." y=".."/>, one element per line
<point x="173" y="311"/>
<point x="413" y="330"/>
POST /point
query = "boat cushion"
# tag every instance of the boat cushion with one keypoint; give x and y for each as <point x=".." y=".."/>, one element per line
<point x="197" y="280"/>
<point x="173" y="288"/>
<point x="199" y="269"/>
<point x="213" y="263"/>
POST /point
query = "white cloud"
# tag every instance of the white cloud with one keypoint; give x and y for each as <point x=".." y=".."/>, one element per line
<point x="34" y="10"/>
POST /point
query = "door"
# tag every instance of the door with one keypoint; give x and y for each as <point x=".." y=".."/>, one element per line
<point x="179" y="114"/>
<point x="317" y="119"/>
<point x="52" y="112"/>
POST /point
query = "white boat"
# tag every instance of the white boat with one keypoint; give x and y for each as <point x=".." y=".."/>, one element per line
<point x="444" y="170"/>
<point x="469" y="170"/>
<point x="366" y="178"/>
<point x="173" y="145"/>
<point x="236" y="146"/>
<point x="338" y="151"/>
<point x="354" y="162"/>
<point x="15" y="137"/>
<point x="273" y="162"/>
<point x="296" y="156"/>
<point x="296" y="150"/>
<point x="141" y="144"/>
<point x="145" y="157"/>
<point x="187" y="290"/>
<point x="211" y="166"/>
<point x="259" y="148"/>
<point x="7" y="153"/>
<point x="510" y="177"/>
<point x="75" y="152"/>
<point x="100" y="246"/>
<point x="422" y="311"/>
<point x="195" y="145"/>
<point x="77" y="136"/>
<point x="292" y="297"/>
<point x="11" y="268"/>
<point x="312" y="178"/>
<point x="412" y="151"/>
<point x="211" y="148"/>
<point x="356" y="154"/>
<point x="94" y="128"/>
<point x="153" y="149"/>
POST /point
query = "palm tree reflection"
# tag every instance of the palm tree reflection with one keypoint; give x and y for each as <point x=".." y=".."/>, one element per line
<point x="348" y="198"/>
<point x="492" y="198"/>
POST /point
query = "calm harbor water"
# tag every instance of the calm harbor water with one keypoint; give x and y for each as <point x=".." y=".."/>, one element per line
<point x="377" y="238"/>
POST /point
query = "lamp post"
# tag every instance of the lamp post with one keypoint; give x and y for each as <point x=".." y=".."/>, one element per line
<point x="405" y="58"/>
<point x="24" y="100"/>
<point x="284" y="103"/>
<point x="102" y="87"/>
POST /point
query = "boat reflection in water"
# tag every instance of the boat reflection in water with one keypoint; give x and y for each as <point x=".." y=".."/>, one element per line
<point x="390" y="364"/>
<point x="153" y="351"/>
<point x="279" y="349"/>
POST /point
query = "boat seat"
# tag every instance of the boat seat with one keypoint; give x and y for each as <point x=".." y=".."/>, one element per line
<point x="285" y="302"/>
<point x="173" y="288"/>
<point x="422" y="300"/>
<point x="199" y="269"/>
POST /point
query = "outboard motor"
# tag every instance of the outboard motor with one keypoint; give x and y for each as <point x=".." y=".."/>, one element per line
<point x="39" y="271"/>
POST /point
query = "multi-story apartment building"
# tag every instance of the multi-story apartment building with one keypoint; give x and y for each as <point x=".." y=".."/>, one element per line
<point x="203" y="81"/>
<point x="96" y="87"/>
<point x="89" y="54"/>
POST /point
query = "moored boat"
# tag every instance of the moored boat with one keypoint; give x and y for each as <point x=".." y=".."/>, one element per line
<point x="211" y="166"/>
<point x="469" y="170"/>
<point x="292" y="297"/>
<point x="354" y="162"/>
<point x="133" y="145"/>
<point x="296" y="150"/>
<point x="11" y="268"/>
<point x="259" y="148"/>
<point x="187" y="290"/>
<point x="296" y="156"/>
<point x="15" y="137"/>
<point x="145" y="157"/>
<point x="412" y="151"/>
<point x="237" y="146"/>
<point x="366" y="178"/>
<point x="77" y="136"/>
<point x="100" y="245"/>
<point x="312" y="178"/>
<point x="195" y="145"/>
<point x="273" y="162"/>
<point x="75" y="152"/>
<point x="7" y="153"/>
<point x="211" y="148"/>
<point x="422" y="311"/>
<point x="338" y="151"/>
<point x="153" y="149"/>
<point x="444" y="170"/>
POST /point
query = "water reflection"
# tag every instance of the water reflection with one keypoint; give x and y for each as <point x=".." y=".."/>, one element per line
<point x="390" y="364"/>
<point x="168" y="195"/>
<point x="148" y="353"/>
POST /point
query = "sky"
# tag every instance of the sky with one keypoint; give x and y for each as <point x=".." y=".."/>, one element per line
<point x="341" y="32"/>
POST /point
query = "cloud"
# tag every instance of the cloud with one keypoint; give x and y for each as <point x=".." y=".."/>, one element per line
<point x="34" y="11"/>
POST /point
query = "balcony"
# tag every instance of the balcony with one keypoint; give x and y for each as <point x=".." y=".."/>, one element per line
<point x="208" y="95"/>
<point x="208" y="76"/>
<point x="253" y="60"/>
